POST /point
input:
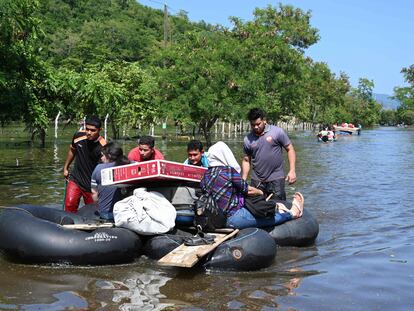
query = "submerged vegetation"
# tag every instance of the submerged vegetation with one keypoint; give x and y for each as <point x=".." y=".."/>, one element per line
<point x="140" y="66"/>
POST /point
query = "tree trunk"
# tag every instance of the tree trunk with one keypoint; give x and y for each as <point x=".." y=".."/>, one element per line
<point x="206" y="127"/>
<point x="42" y="136"/>
<point x="115" y="130"/>
<point x="207" y="136"/>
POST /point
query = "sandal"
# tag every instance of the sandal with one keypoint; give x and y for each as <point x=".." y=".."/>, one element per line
<point x="199" y="239"/>
<point x="299" y="206"/>
<point x="281" y="208"/>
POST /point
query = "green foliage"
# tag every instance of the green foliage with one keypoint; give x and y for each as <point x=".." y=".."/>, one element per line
<point x="272" y="60"/>
<point x="389" y="117"/>
<point x="360" y="105"/>
<point x="109" y="57"/>
<point x="196" y="77"/>
<point x="136" y="98"/>
<point x="325" y="99"/>
<point x="85" y="32"/>
<point x="26" y="84"/>
<point x="408" y="74"/>
<point x="290" y="24"/>
<point x="406" y="96"/>
<point x="222" y="73"/>
<point x="406" y="116"/>
<point x="124" y="91"/>
<point x="17" y="30"/>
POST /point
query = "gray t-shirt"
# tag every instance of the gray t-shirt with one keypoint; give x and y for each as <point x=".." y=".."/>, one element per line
<point x="266" y="153"/>
<point x="107" y="195"/>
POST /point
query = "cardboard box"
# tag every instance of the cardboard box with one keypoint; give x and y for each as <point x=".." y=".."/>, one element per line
<point x="151" y="171"/>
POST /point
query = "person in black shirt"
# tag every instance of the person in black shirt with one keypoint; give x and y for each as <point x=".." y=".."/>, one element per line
<point x="86" y="150"/>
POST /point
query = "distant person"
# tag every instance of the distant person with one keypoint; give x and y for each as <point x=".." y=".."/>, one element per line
<point x="331" y="133"/>
<point x="323" y="135"/>
<point x="237" y="199"/>
<point x="263" y="149"/>
<point x="196" y="155"/>
<point x="86" y="150"/>
<point x="326" y="135"/>
<point x="107" y="196"/>
<point x="145" y="151"/>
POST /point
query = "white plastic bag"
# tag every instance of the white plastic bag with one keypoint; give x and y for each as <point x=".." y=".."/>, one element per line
<point x="145" y="213"/>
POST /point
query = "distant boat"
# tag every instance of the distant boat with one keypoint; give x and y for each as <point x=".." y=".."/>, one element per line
<point x="349" y="130"/>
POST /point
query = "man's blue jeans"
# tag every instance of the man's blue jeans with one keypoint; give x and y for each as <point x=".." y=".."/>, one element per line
<point x="244" y="219"/>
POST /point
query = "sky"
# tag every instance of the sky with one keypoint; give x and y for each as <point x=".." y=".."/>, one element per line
<point x="371" y="39"/>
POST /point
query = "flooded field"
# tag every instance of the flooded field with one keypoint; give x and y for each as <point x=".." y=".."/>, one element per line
<point x="359" y="188"/>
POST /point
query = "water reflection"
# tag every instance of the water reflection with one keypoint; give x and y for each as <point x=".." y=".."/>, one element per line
<point x="139" y="287"/>
<point x="63" y="288"/>
<point x="141" y="291"/>
<point x="234" y="290"/>
<point x="56" y="152"/>
<point x="63" y="301"/>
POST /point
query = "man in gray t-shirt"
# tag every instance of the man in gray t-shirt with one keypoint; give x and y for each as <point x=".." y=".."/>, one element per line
<point x="263" y="149"/>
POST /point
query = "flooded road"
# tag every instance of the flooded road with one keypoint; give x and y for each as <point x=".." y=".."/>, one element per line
<point x="359" y="188"/>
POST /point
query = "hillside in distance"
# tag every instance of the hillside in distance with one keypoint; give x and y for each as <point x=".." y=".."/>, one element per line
<point x="387" y="102"/>
<point x="79" y="33"/>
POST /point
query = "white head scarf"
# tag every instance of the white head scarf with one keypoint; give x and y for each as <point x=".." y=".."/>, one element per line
<point x="220" y="154"/>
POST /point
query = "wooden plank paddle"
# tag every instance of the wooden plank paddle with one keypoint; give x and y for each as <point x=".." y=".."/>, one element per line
<point x="187" y="256"/>
<point x="89" y="227"/>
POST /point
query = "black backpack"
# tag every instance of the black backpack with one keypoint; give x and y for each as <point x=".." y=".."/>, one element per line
<point x="208" y="216"/>
<point x="260" y="207"/>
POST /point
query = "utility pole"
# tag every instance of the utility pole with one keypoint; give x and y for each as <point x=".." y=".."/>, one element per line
<point x="165" y="25"/>
<point x="164" y="124"/>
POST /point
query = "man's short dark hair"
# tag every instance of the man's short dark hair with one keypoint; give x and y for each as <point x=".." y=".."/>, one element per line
<point x="195" y="145"/>
<point x="93" y="120"/>
<point x="147" y="140"/>
<point x="256" y="113"/>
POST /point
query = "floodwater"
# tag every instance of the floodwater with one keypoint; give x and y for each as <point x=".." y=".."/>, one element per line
<point x="359" y="188"/>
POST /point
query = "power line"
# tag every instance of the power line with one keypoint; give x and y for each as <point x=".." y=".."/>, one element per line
<point x="156" y="2"/>
<point x="161" y="3"/>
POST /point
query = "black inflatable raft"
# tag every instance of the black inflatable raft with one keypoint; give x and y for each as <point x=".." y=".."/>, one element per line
<point x="251" y="249"/>
<point x="36" y="235"/>
<point x="302" y="231"/>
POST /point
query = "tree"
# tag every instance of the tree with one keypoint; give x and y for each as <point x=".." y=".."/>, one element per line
<point x="124" y="91"/>
<point x="222" y="73"/>
<point x="196" y="77"/>
<point x="326" y="94"/>
<point x="271" y="58"/>
<point x="362" y="107"/>
<point x="406" y="96"/>
<point x="388" y="117"/>
<point x="80" y="33"/>
<point x="26" y="83"/>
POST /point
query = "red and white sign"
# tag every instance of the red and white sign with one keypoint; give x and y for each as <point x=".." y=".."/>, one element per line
<point x="151" y="171"/>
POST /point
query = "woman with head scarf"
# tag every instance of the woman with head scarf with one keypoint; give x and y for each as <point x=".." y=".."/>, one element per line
<point x="244" y="206"/>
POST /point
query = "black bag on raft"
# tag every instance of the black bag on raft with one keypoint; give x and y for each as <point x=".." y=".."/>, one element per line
<point x="208" y="216"/>
<point x="259" y="207"/>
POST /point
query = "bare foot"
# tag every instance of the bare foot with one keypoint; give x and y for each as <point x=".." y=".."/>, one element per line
<point x="297" y="205"/>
